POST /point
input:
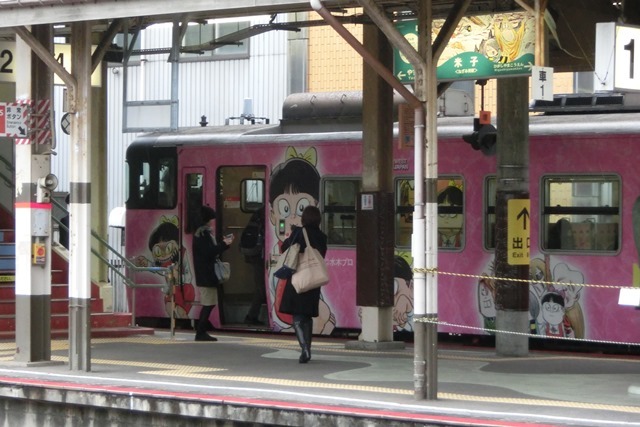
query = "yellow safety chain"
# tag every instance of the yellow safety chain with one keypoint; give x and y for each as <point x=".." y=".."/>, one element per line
<point x="434" y="271"/>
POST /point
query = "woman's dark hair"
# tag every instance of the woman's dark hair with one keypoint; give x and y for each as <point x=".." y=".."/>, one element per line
<point x="311" y="216"/>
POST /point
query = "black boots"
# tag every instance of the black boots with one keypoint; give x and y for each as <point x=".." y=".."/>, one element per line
<point x="203" y="336"/>
<point x="303" y="329"/>
<point x="203" y="324"/>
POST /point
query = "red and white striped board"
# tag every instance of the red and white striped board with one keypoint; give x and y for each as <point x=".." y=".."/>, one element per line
<point x="39" y="122"/>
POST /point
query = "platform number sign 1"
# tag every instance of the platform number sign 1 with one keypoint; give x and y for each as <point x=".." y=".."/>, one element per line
<point x="627" y="72"/>
<point x="617" y="60"/>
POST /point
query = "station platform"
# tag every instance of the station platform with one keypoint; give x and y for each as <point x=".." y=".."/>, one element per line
<point x="255" y="379"/>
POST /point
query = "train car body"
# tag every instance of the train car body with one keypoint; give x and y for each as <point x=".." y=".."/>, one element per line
<point x="583" y="187"/>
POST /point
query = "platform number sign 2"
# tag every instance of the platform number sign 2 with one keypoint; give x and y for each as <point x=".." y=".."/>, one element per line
<point x="7" y="62"/>
<point x="7" y="58"/>
<point x="627" y="69"/>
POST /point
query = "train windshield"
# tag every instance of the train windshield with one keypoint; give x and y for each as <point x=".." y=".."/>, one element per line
<point x="152" y="178"/>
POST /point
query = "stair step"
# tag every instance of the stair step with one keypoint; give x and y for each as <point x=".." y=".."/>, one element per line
<point x="7" y="249"/>
<point x="7" y="263"/>
<point x="7" y="236"/>
<point x="58" y="291"/>
<point x="58" y="306"/>
<point x="61" y="321"/>
<point x="102" y="324"/>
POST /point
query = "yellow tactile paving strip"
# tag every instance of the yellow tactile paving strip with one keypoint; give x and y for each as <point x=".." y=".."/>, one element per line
<point x="7" y="353"/>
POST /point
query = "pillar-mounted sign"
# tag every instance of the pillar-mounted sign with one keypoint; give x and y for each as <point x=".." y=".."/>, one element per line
<point x="26" y="121"/>
<point x="542" y="83"/>
<point x="518" y="229"/>
<point x="617" y="67"/>
<point x="482" y="47"/>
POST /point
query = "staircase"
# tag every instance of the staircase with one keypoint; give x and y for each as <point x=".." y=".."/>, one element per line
<point x="103" y="324"/>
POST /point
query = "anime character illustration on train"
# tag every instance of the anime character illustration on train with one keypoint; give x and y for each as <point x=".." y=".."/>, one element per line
<point x="295" y="185"/>
<point x="554" y="299"/>
<point x="582" y="222"/>
<point x="402" y="295"/>
<point x="165" y="251"/>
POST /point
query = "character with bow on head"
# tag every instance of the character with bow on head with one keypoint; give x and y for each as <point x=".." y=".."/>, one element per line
<point x="295" y="184"/>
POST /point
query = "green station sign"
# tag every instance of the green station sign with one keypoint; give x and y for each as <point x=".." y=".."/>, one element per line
<point x="482" y="47"/>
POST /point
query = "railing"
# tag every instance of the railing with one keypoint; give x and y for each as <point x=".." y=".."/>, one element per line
<point x="115" y="270"/>
<point x="130" y="269"/>
<point x="7" y="180"/>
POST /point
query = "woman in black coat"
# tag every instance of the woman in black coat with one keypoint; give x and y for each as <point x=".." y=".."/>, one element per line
<point x="303" y="307"/>
<point x="206" y="249"/>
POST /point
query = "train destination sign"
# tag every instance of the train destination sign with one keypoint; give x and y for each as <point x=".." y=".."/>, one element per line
<point x="518" y="226"/>
<point x="485" y="46"/>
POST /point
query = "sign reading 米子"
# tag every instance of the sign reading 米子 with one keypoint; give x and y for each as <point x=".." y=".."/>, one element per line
<point x="482" y="47"/>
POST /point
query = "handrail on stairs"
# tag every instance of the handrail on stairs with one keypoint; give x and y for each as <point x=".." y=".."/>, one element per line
<point x="130" y="268"/>
<point x="8" y="181"/>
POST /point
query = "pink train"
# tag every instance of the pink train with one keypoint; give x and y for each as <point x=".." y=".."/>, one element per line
<point x="583" y="187"/>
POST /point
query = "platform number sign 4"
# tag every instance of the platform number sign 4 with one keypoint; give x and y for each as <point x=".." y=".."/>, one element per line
<point x="627" y="67"/>
<point x="7" y="61"/>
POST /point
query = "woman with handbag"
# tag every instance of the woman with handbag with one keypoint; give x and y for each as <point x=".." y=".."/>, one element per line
<point x="303" y="307"/>
<point x="206" y="251"/>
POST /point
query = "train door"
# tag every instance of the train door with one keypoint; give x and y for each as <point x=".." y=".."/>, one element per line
<point x="240" y="198"/>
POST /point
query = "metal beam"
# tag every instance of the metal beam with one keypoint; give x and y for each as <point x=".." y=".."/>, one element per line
<point x="105" y="42"/>
<point x="31" y="13"/>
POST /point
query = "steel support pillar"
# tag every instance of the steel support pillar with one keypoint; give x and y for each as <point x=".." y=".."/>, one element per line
<point x="512" y="298"/>
<point x="80" y="203"/>
<point x="33" y="214"/>
<point x="377" y="152"/>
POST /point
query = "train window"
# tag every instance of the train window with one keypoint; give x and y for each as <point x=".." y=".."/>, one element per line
<point x="144" y="178"/>
<point x="202" y="37"/>
<point x="581" y="213"/>
<point x="490" y="183"/>
<point x="404" y="212"/>
<point x="339" y="217"/>
<point x="450" y="212"/>
<point x="166" y="183"/>
<point x="194" y="202"/>
<point x="152" y="177"/>
<point x="252" y="195"/>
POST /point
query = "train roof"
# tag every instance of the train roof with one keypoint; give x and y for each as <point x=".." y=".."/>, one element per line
<point x="448" y="128"/>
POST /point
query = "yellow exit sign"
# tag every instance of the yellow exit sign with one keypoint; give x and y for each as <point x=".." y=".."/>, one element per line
<point x="518" y="229"/>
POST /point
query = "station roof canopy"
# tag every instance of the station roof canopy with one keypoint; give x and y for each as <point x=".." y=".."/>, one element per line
<point x="572" y="50"/>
